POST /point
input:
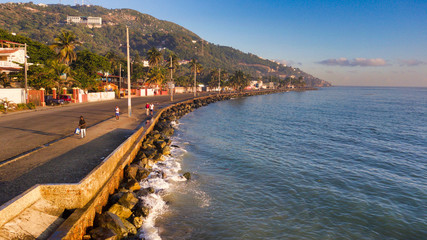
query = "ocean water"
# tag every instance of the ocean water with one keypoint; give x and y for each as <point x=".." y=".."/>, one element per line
<point x="336" y="163"/>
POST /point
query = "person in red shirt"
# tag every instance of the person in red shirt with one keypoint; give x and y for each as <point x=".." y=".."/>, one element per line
<point x="147" y="109"/>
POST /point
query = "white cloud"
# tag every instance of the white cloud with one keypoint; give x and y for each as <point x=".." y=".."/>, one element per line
<point x="288" y="62"/>
<point x="362" y="62"/>
<point x="411" y="62"/>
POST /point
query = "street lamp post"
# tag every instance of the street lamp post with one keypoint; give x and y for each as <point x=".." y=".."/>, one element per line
<point x="219" y="81"/>
<point x="171" y="87"/>
<point x="25" y="74"/>
<point x="120" y="80"/>
<point x="128" y="57"/>
<point x="195" y="72"/>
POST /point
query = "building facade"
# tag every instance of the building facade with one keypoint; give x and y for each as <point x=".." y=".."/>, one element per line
<point x="89" y="21"/>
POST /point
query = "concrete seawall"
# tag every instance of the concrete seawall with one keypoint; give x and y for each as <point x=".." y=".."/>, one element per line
<point x="64" y="211"/>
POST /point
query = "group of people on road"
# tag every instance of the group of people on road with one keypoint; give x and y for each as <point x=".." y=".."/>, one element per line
<point x="149" y="108"/>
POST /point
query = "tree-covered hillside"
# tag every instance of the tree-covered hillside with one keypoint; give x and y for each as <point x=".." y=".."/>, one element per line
<point x="43" y="23"/>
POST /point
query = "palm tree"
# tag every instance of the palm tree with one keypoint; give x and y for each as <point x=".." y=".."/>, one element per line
<point x="64" y="45"/>
<point x="157" y="76"/>
<point x="195" y="67"/>
<point x="239" y="80"/>
<point x="175" y="59"/>
<point x="60" y="70"/>
<point x="154" y="57"/>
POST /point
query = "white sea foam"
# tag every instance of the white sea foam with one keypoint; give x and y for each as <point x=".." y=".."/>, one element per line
<point x="163" y="175"/>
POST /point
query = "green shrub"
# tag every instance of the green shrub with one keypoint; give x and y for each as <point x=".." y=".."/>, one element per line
<point x="31" y="106"/>
<point x="21" y="106"/>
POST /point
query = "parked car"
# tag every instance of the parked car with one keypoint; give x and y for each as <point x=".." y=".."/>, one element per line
<point x="65" y="98"/>
<point x="49" y="100"/>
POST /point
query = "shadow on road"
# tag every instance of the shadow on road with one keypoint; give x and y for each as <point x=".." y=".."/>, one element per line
<point x="70" y="167"/>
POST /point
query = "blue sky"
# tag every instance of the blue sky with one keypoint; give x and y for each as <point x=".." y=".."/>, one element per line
<point x="368" y="43"/>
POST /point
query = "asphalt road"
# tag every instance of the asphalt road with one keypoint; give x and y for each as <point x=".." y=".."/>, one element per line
<point x="22" y="132"/>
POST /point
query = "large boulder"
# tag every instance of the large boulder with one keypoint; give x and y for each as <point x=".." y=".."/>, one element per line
<point x="120" y="210"/>
<point x="113" y="199"/>
<point x="142" y="174"/>
<point x="166" y="150"/>
<point x="131" y="229"/>
<point x="128" y="200"/>
<point x="132" y="185"/>
<point x="101" y="233"/>
<point x="160" y="144"/>
<point x="131" y="171"/>
<point x="158" y="157"/>
<point x="187" y="175"/>
<point x="113" y="222"/>
<point x="137" y="222"/>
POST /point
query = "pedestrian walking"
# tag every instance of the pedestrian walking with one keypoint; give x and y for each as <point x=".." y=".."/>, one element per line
<point x="5" y="106"/>
<point x="152" y="109"/>
<point x="117" y="109"/>
<point x="82" y="126"/>
<point x="147" y="109"/>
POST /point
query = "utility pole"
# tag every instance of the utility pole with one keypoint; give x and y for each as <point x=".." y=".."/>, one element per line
<point x="219" y="81"/>
<point x="120" y="80"/>
<point x="25" y="74"/>
<point x="128" y="59"/>
<point x="171" y="81"/>
<point x="195" y="72"/>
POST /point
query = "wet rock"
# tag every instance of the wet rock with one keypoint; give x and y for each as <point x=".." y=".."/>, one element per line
<point x="166" y="150"/>
<point x="169" y="131"/>
<point x="142" y="174"/>
<point x="141" y="210"/>
<point x="121" y="211"/>
<point x="160" y="144"/>
<point x="187" y="175"/>
<point x="131" y="171"/>
<point x="101" y="233"/>
<point x="137" y="222"/>
<point x="113" y="199"/>
<point x="131" y="229"/>
<point x="142" y="192"/>
<point x="128" y="200"/>
<point x="113" y="222"/>
<point x="132" y="185"/>
<point x="159" y="157"/>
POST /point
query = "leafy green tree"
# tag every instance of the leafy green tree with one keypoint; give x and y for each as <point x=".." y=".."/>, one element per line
<point x="138" y="72"/>
<point x="91" y="62"/>
<point x="195" y="67"/>
<point x="157" y="75"/>
<point x="4" y="80"/>
<point x="61" y="73"/>
<point x="86" y="67"/>
<point x="64" y="45"/>
<point x="239" y="80"/>
<point x="85" y="81"/>
<point x="154" y="57"/>
<point x="40" y="76"/>
<point x="115" y="61"/>
<point x="214" y="77"/>
<point x="183" y="81"/>
<point x="175" y="65"/>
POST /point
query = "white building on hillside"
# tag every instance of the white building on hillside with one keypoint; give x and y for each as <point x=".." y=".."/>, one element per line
<point x="92" y="22"/>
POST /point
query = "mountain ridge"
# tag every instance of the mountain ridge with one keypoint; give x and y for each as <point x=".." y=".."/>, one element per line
<point x="44" y="22"/>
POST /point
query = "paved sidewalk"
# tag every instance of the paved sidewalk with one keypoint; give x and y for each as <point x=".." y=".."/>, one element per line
<point x="68" y="160"/>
